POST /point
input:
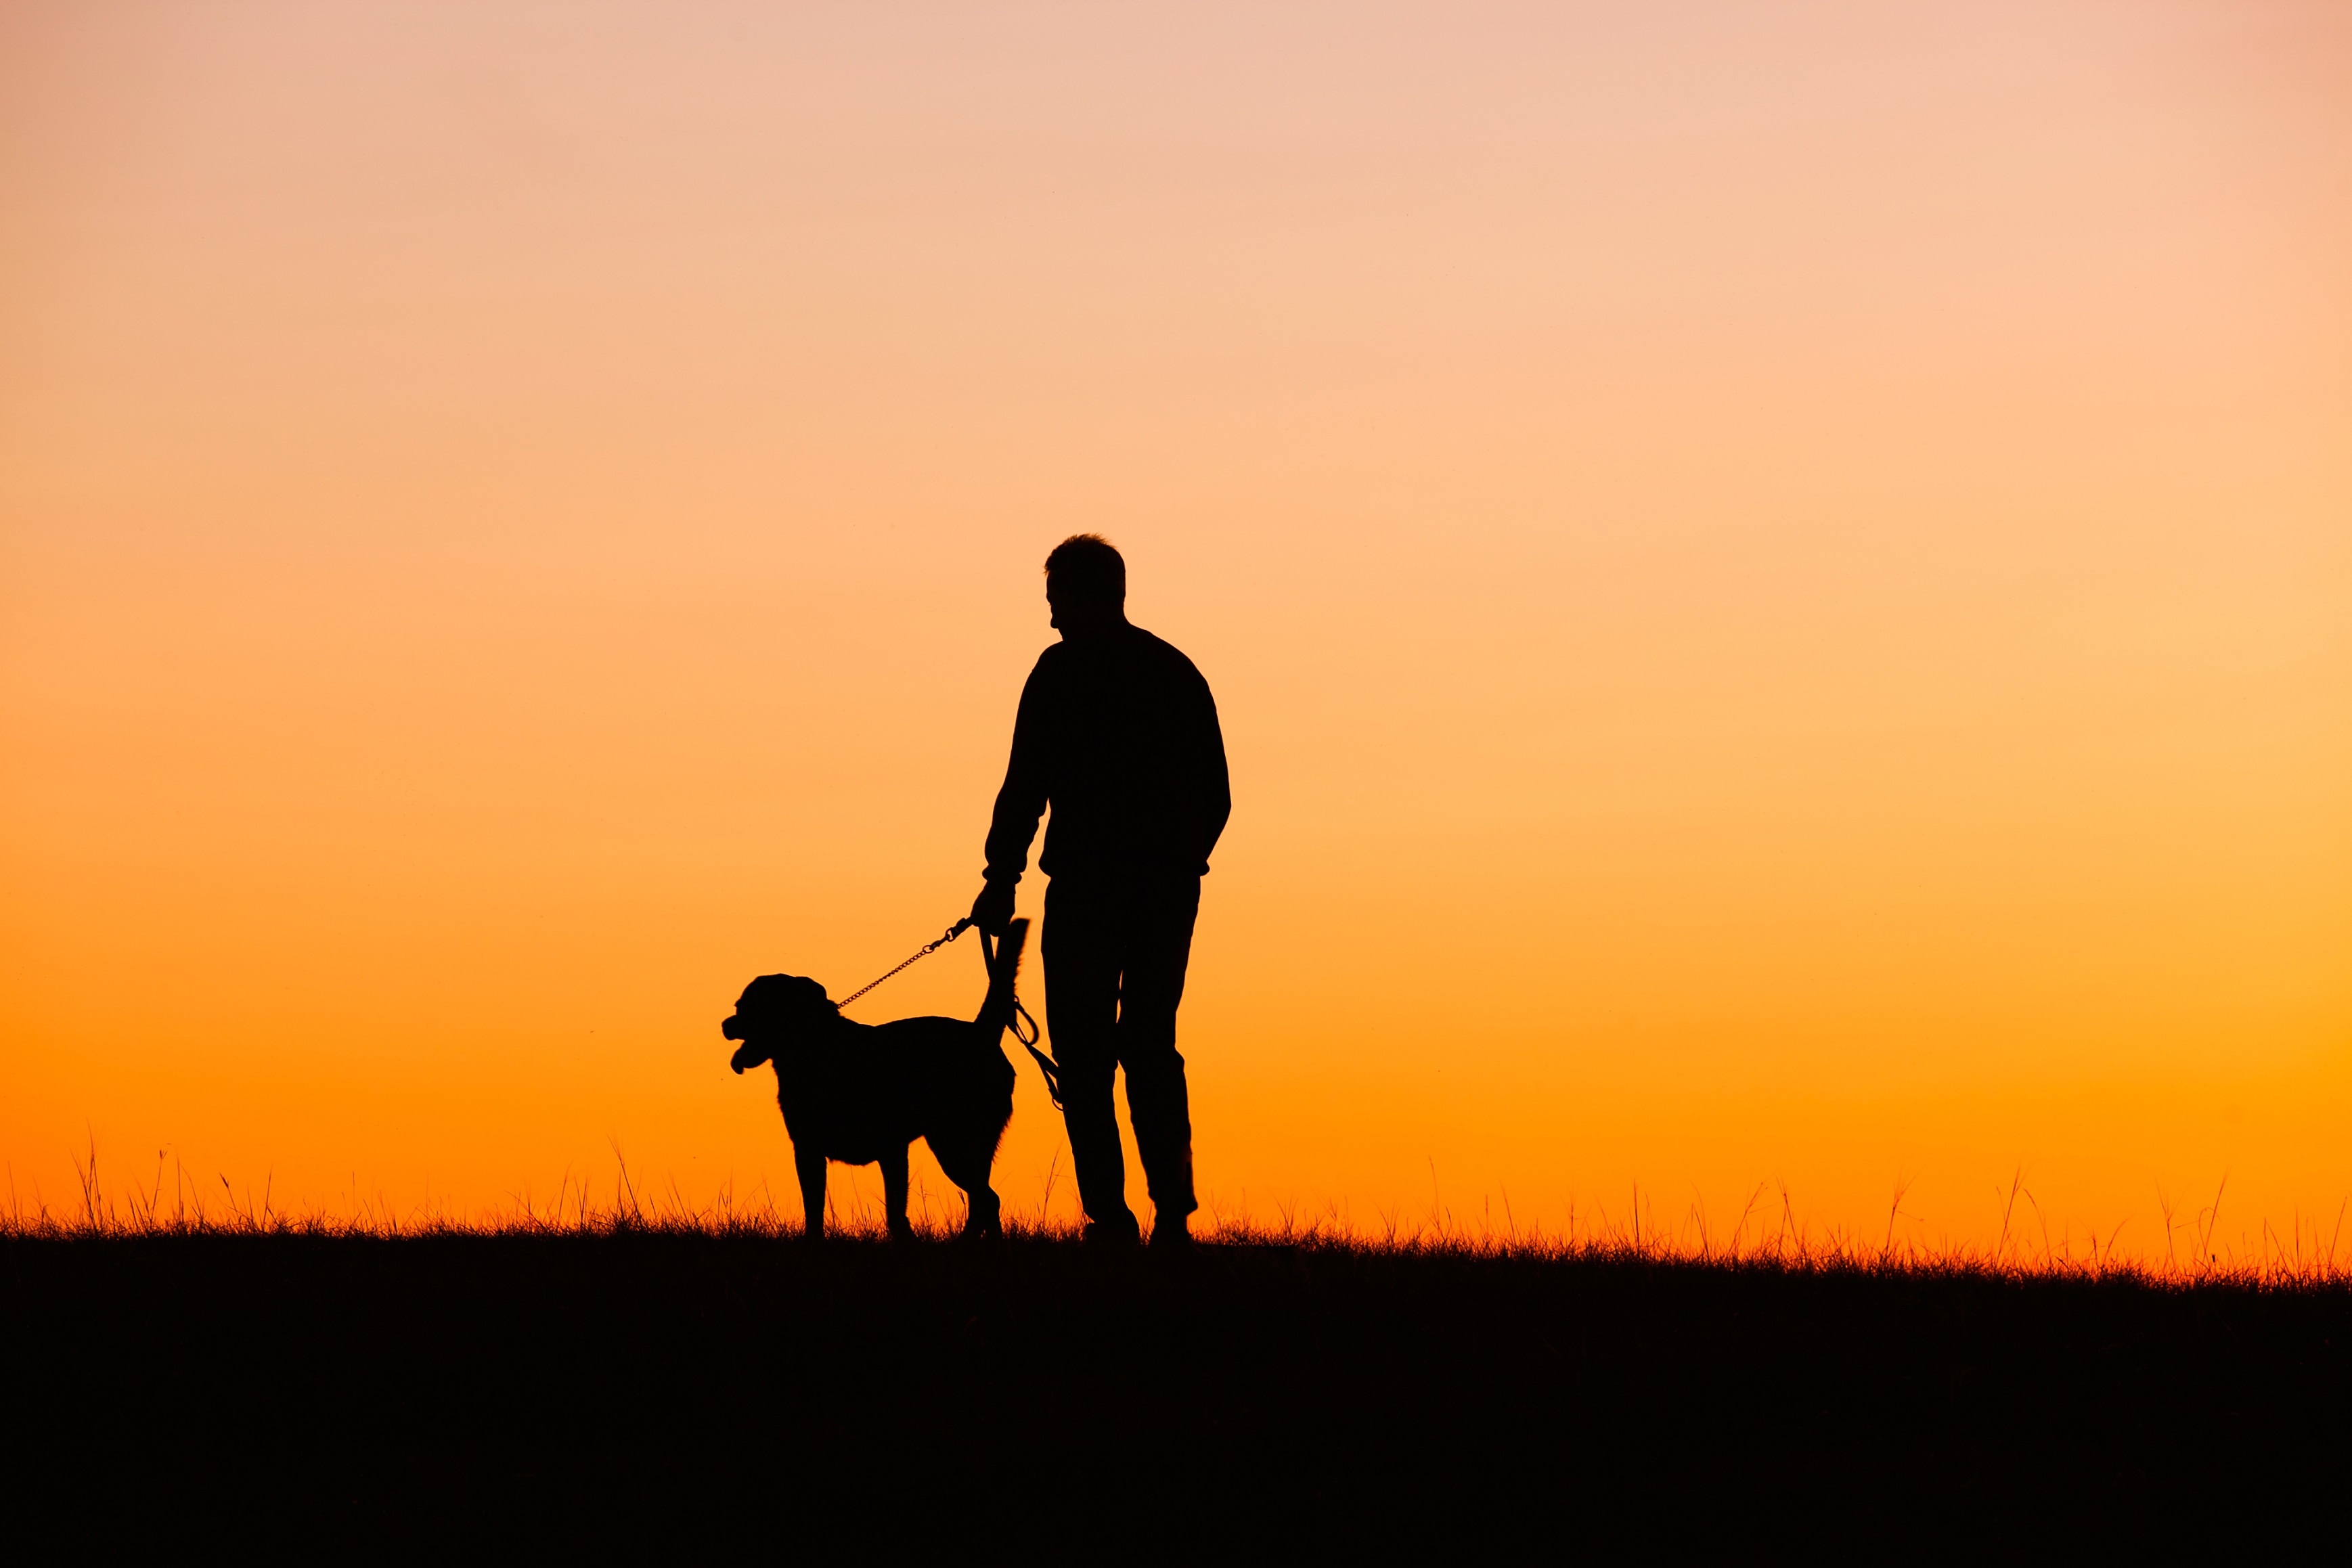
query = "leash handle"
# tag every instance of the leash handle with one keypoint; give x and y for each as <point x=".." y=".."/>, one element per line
<point x="1024" y="1030"/>
<point x="1046" y="1064"/>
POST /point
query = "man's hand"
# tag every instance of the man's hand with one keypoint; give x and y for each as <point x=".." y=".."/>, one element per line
<point x="992" y="910"/>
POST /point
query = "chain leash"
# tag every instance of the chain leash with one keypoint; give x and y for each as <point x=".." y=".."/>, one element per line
<point x="958" y="929"/>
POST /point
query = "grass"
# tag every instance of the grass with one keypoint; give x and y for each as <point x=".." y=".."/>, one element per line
<point x="629" y="1372"/>
<point x="1766" y="1233"/>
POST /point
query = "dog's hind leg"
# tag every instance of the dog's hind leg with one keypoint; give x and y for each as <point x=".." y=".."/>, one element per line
<point x="894" y="1192"/>
<point x="987" y="1215"/>
<point x="967" y="1165"/>
<point x="811" y="1166"/>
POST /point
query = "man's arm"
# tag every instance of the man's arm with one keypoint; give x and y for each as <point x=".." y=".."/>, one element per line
<point x="1019" y="803"/>
<point x="1212" y="784"/>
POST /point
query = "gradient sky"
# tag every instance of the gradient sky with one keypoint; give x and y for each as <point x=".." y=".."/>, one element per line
<point x="1779" y="578"/>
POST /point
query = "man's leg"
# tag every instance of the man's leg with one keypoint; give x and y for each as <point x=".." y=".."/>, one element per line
<point x="1081" y="948"/>
<point x="1157" y="927"/>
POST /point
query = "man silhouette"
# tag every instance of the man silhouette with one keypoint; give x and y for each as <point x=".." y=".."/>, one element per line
<point x="1119" y="734"/>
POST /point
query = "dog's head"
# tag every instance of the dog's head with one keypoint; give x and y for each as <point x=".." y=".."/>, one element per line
<point x="770" y="1012"/>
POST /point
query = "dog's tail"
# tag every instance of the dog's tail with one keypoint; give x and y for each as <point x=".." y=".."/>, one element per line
<point x="1003" y="956"/>
<point x="1003" y="1010"/>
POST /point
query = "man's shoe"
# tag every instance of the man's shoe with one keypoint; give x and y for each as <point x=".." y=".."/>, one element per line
<point x="1170" y="1235"/>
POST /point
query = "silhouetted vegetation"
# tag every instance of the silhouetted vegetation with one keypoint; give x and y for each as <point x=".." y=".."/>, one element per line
<point x="624" y="1378"/>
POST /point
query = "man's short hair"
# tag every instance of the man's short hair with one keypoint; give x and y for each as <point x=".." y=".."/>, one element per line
<point x="1088" y="566"/>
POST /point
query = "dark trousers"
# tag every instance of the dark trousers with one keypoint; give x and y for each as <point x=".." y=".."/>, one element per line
<point x="1114" y="956"/>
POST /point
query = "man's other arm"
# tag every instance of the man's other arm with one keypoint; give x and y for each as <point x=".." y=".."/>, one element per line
<point x="1212" y="785"/>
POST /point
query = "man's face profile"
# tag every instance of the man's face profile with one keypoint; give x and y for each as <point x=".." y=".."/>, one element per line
<point x="1075" y="611"/>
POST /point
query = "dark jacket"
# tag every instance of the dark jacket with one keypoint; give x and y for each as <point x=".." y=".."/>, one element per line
<point x="1119" y="734"/>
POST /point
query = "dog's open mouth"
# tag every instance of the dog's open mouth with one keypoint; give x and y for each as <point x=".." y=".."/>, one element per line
<point x="745" y="1056"/>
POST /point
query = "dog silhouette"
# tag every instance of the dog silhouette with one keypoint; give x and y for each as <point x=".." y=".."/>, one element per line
<point x="862" y="1093"/>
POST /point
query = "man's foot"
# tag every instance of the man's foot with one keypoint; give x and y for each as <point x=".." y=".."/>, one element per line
<point x="1170" y="1235"/>
<point x="1110" y="1233"/>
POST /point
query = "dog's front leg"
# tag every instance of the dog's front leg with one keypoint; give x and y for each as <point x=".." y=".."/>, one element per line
<point x="894" y="1192"/>
<point x="811" y="1166"/>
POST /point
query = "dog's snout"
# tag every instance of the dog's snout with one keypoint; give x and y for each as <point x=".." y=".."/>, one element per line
<point x="733" y="1027"/>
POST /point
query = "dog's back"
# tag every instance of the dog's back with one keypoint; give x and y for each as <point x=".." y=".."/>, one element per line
<point x="948" y="1069"/>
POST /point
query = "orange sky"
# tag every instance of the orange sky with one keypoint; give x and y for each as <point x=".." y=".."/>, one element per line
<point x="1779" y="577"/>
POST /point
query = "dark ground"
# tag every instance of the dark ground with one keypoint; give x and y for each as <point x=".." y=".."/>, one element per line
<point x="633" y="1389"/>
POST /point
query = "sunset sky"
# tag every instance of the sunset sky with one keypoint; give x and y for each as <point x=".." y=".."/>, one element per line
<point x="1778" y="579"/>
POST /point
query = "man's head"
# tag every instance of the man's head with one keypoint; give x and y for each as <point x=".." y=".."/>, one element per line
<point x="1085" y="584"/>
